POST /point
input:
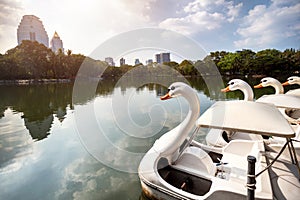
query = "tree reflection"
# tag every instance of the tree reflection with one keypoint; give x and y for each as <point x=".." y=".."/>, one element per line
<point x="42" y="103"/>
<point x="39" y="105"/>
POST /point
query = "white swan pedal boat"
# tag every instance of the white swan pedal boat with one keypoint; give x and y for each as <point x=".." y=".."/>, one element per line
<point x="177" y="167"/>
<point x="288" y="105"/>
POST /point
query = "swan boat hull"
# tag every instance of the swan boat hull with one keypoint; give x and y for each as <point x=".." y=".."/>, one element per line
<point x="199" y="175"/>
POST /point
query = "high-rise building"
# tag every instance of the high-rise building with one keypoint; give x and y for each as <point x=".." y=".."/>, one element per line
<point x="149" y="61"/>
<point x="110" y="61"/>
<point x="157" y="58"/>
<point x="122" y="61"/>
<point x="137" y="61"/>
<point x="162" y="57"/>
<point x="165" y="57"/>
<point x="31" y="28"/>
<point x="56" y="43"/>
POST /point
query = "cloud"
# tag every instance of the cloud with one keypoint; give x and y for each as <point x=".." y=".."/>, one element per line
<point x="233" y="11"/>
<point x="202" y="16"/>
<point x="85" y="178"/>
<point x="267" y="26"/>
<point x="16" y="145"/>
<point x="7" y="12"/>
<point x="156" y="11"/>
<point x="10" y="13"/>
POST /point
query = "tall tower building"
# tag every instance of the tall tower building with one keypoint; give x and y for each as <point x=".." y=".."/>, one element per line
<point x="165" y="57"/>
<point x="32" y="28"/>
<point x="56" y="43"/>
<point x="157" y="58"/>
<point x="110" y="61"/>
<point x="137" y="61"/>
<point x="162" y="57"/>
<point x="122" y="61"/>
<point x="149" y="61"/>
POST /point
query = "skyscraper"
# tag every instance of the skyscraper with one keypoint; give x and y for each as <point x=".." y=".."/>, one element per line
<point x="162" y="57"/>
<point x="32" y="28"/>
<point x="157" y="58"/>
<point x="165" y="57"/>
<point x="110" y="61"/>
<point x="56" y="43"/>
<point x="149" y="61"/>
<point x="122" y="61"/>
<point x="137" y="61"/>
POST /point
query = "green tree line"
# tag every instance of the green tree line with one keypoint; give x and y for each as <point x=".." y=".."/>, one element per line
<point x="266" y="62"/>
<point x="32" y="60"/>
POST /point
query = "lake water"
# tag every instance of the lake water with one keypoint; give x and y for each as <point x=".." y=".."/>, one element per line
<point x="55" y="146"/>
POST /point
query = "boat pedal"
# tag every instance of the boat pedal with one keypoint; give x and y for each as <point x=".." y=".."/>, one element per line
<point x="185" y="183"/>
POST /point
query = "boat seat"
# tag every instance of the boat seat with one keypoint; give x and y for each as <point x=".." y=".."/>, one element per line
<point x="196" y="161"/>
<point x="217" y="138"/>
<point x="220" y="138"/>
<point x="236" y="152"/>
<point x="291" y="115"/>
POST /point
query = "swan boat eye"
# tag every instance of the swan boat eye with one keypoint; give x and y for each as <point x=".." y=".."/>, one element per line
<point x="172" y="88"/>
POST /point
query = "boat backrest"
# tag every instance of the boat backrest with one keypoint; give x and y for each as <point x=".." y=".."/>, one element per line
<point x="216" y="138"/>
<point x="246" y="136"/>
<point x="236" y="152"/>
<point x="196" y="161"/>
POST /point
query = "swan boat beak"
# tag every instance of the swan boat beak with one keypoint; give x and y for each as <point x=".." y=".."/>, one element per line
<point x="167" y="96"/>
<point x="258" y="86"/>
<point x="225" y="89"/>
<point x="285" y="83"/>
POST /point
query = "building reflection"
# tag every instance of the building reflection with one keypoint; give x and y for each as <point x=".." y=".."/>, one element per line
<point x="39" y="105"/>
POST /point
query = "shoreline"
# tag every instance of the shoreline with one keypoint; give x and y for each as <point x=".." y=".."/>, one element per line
<point x="68" y="80"/>
<point x="33" y="81"/>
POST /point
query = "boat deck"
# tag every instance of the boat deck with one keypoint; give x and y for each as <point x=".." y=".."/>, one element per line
<point x="284" y="178"/>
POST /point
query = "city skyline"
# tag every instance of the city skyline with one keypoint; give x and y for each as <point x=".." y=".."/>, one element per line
<point x="215" y="25"/>
<point x="32" y="28"/>
<point x="159" y="57"/>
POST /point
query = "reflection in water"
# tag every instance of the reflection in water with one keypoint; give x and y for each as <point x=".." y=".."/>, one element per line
<point x="15" y="143"/>
<point x="42" y="157"/>
<point x="85" y="178"/>
<point x="38" y="103"/>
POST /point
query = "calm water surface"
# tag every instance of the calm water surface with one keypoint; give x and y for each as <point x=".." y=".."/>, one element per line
<point x="43" y="154"/>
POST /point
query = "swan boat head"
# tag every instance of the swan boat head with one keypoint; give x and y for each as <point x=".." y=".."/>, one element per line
<point x="170" y="142"/>
<point x="292" y="80"/>
<point x="238" y="84"/>
<point x="269" y="81"/>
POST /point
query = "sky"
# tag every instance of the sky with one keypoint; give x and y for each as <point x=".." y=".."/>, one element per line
<point x="216" y="25"/>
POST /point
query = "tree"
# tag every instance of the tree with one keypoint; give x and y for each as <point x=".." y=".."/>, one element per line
<point x="246" y="59"/>
<point x="268" y="61"/>
<point x="229" y="63"/>
<point x="187" y="68"/>
<point x="31" y="60"/>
